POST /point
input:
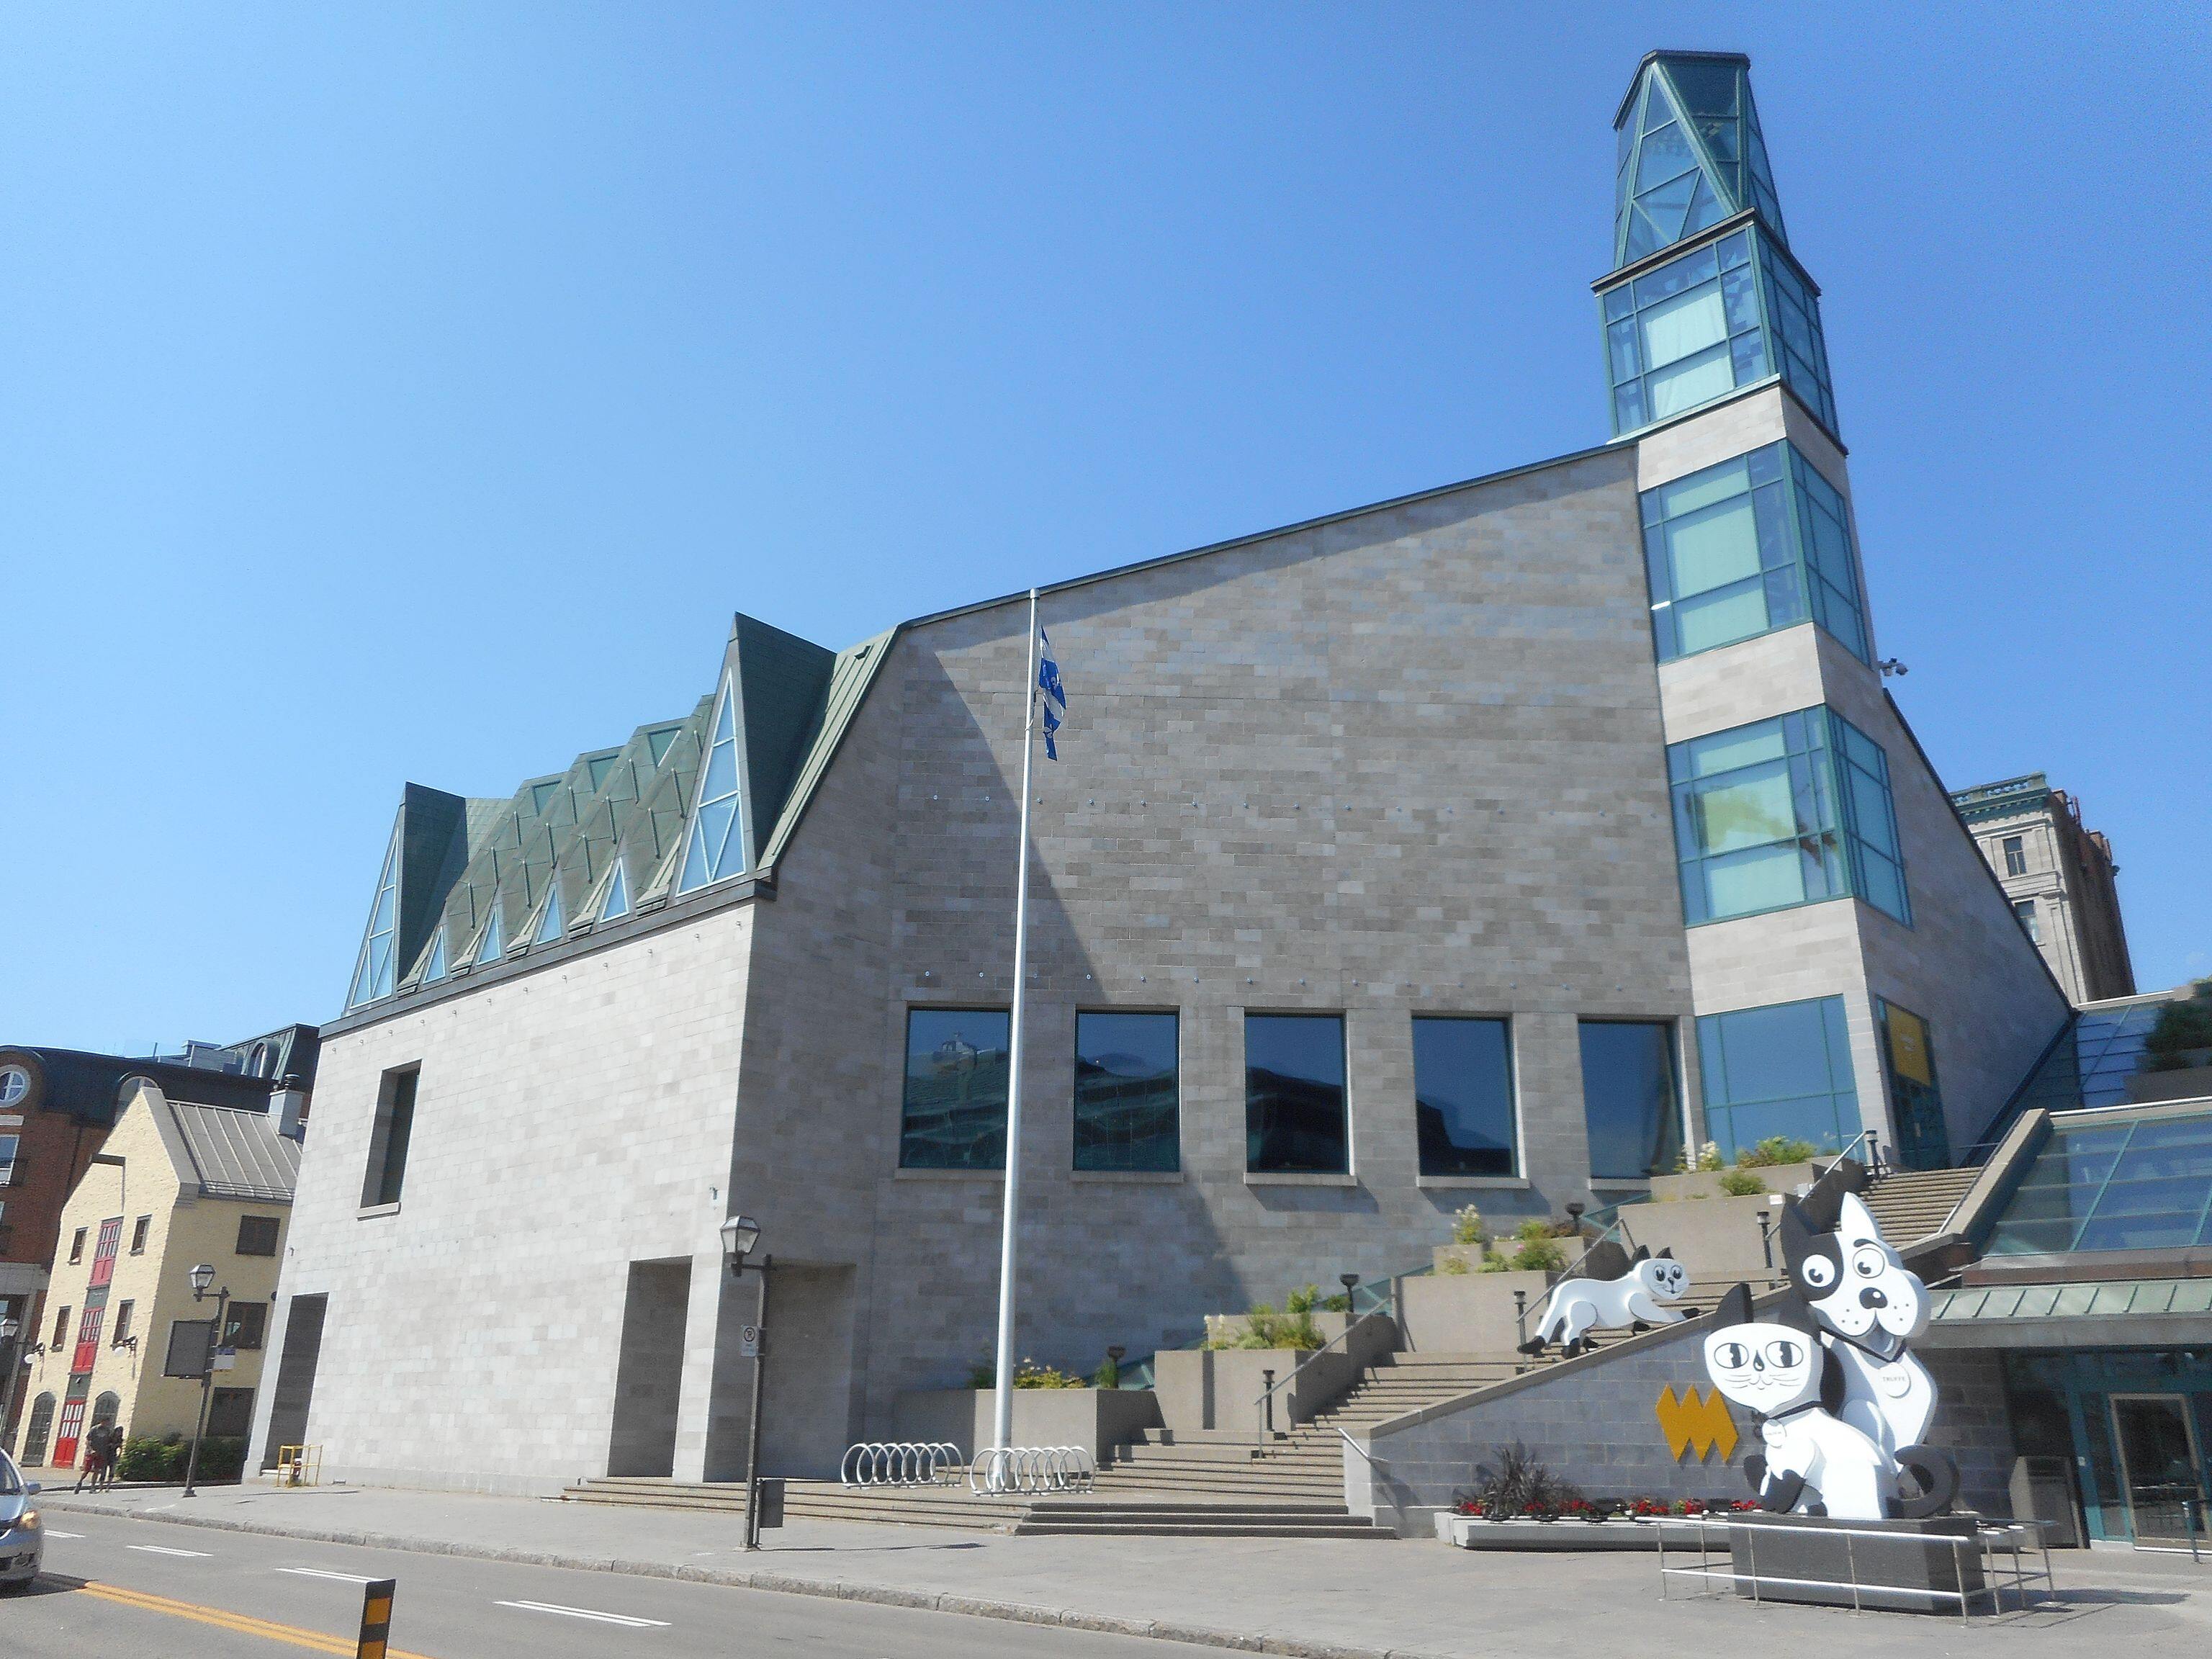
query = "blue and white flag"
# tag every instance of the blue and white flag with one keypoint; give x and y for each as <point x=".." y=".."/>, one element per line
<point x="1048" y="683"/>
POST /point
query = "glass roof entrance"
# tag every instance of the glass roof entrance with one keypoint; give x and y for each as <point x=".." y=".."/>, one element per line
<point x="2136" y="1180"/>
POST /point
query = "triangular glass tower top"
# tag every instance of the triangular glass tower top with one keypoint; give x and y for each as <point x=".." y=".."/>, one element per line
<point x="436" y="967"/>
<point x="715" y="848"/>
<point x="549" y="919"/>
<point x="492" y="943"/>
<point x="1691" y="153"/>
<point x="373" y="973"/>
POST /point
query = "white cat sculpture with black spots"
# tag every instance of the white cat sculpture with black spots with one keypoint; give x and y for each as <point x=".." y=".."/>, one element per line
<point x="1869" y="1306"/>
<point x="1814" y="1463"/>
<point x="1577" y="1306"/>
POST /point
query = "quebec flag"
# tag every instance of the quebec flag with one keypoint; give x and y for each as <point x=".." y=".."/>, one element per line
<point x="1055" y="698"/>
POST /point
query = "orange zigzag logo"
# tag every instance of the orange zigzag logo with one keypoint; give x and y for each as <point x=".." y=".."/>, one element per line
<point x="1691" y="1422"/>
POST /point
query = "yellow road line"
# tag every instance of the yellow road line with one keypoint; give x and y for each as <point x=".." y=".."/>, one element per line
<point x="237" y="1623"/>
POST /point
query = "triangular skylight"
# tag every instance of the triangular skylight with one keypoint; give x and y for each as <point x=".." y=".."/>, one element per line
<point x="436" y="968"/>
<point x="617" y="903"/>
<point x="715" y="848"/>
<point x="600" y="769"/>
<point x="549" y="919"/>
<point x="661" y="742"/>
<point x="493" y="940"/>
<point x="374" y="973"/>
<point x="542" y="793"/>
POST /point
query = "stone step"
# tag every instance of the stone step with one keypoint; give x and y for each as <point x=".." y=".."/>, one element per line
<point x="1166" y="1529"/>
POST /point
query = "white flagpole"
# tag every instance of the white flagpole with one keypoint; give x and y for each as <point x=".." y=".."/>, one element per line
<point x="1002" y="1421"/>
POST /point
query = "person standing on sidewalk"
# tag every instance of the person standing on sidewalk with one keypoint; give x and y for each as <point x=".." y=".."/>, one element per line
<point x="88" y="1469"/>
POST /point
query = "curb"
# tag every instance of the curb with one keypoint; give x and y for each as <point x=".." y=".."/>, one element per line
<point x="781" y="1583"/>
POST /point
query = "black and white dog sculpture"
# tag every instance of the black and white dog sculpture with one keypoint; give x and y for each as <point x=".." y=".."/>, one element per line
<point x="1869" y="1306"/>
<point x="1814" y="1462"/>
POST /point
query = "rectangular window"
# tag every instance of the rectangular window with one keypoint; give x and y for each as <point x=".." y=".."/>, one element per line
<point x="1786" y="811"/>
<point x="1718" y="318"/>
<point x="8" y="1146"/>
<point x="77" y="1246"/>
<point x="1125" y="1105"/>
<point x="61" y="1329"/>
<point x="1753" y="544"/>
<point x="246" y="1326"/>
<point x="2024" y="909"/>
<point x="954" y="1115"/>
<point x="388" y="1141"/>
<point x="138" y="1231"/>
<point x="1631" y="1101"/>
<point x="2015" y="856"/>
<point x="1923" y="1139"/>
<point x="124" y="1314"/>
<point x="1463" y="1096"/>
<point x="1783" y="1070"/>
<point x="257" y="1234"/>
<point x="1295" y="1118"/>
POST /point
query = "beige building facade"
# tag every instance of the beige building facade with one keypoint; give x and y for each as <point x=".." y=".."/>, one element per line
<point x="176" y="1185"/>
<point x="2060" y="879"/>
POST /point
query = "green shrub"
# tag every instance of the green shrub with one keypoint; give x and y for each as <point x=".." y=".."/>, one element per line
<point x="1773" y="1151"/>
<point x="2181" y="1026"/>
<point x="1539" y="1247"/>
<point x="1454" y="1265"/>
<point x="1110" y="1374"/>
<point x="1467" y="1226"/>
<point x="984" y="1374"/>
<point x="1707" y="1159"/>
<point x="1741" y="1183"/>
<point x="163" y="1461"/>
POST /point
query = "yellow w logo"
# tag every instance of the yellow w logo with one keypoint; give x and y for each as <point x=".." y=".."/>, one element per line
<point x="1691" y="1422"/>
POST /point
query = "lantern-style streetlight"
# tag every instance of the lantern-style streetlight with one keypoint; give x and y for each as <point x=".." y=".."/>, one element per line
<point x="740" y="1238"/>
<point x="202" y="1277"/>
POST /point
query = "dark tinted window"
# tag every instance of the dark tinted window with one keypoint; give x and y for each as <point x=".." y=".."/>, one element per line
<point x="257" y="1234"/>
<point x="1629" y="1099"/>
<point x="247" y="1326"/>
<point x="1125" y="1092"/>
<point x="954" y="1112"/>
<point x="1294" y="1105"/>
<point x="1463" y="1096"/>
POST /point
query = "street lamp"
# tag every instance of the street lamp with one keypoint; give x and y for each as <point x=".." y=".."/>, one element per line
<point x="1349" y="1281"/>
<point x="740" y="1237"/>
<point x="201" y="1277"/>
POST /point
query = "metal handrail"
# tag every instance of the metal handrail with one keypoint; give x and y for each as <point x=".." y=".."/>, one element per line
<point x="1261" y="1413"/>
<point x="1872" y="1140"/>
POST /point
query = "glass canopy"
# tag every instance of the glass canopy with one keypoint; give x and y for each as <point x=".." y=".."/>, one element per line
<point x="1691" y="154"/>
<point x="2120" y="1181"/>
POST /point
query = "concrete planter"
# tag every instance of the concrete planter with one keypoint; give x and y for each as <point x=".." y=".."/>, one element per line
<point x="1475" y="1532"/>
<point x="1714" y="1239"/>
<point x="1097" y="1419"/>
<point x="1786" y="1178"/>
<point x="1217" y="1389"/>
<point x="1467" y="1313"/>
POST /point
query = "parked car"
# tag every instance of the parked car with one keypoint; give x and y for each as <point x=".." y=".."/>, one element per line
<point x="22" y="1539"/>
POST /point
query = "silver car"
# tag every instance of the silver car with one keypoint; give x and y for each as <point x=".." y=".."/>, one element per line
<point x="22" y="1540"/>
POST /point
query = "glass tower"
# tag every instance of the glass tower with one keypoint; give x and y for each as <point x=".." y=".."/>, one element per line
<point x="1704" y="296"/>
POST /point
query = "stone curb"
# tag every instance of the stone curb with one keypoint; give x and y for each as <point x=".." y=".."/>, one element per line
<point x="778" y="1582"/>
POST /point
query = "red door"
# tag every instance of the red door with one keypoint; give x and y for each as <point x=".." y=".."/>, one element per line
<point x="103" y="1255"/>
<point x="65" y="1436"/>
<point x="87" y="1341"/>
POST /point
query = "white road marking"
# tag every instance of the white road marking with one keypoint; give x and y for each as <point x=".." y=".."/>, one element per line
<point x="317" y="1572"/>
<point x="586" y="1612"/>
<point x="157" y="1549"/>
<point x="50" y="1533"/>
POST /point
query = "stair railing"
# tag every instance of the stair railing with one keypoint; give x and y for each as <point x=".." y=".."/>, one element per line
<point x="1263" y="1407"/>
<point x="1871" y="1139"/>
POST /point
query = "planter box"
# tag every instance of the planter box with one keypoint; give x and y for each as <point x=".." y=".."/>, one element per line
<point x="1097" y="1419"/>
<point x="1473" y="1531"/>
<point x="1786" y="1178"/>
<point x="1217" y="1389"/>
<point x="1467" y="1313"/>
<point x="1717" y="1238"/>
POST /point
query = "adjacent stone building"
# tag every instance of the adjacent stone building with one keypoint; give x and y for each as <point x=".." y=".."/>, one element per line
<point x="2059" y="878"/>
<point x="1494" y="843"/>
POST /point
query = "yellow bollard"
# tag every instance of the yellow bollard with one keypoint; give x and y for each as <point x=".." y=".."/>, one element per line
<point x="376" y="1619"/>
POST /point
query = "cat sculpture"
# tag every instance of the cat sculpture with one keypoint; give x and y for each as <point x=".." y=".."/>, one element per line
<point x="1870" y="1306"/>
<point x="1815" y="1463"/>
<point x="1577" y="1306"/>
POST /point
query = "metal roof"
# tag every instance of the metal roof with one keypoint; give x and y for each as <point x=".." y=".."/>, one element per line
<point x="234" y="1154"/>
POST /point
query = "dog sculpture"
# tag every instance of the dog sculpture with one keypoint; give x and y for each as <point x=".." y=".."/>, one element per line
<point x="1815" y="1463"/>
<point x="1577" y="1306"/>
<point x="1869" y="1306"/>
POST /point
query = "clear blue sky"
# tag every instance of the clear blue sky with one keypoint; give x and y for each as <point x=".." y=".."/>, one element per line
<point x="411" y="392"/>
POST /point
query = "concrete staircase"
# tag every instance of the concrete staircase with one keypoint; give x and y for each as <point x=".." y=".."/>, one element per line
<point x="1912" y="1204"/>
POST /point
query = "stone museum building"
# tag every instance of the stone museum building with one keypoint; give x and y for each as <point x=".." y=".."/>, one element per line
<point x="1490" y="845"/>
<point x="2060" y="877"/>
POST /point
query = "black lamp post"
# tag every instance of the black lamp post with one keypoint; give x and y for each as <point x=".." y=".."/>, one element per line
<point x="1348" y="1280"/>
<point x="740" y="1237"/>
<point x="202" y="1277"/>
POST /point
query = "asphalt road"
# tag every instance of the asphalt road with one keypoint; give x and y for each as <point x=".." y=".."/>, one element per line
<point x="138" y="1587"/>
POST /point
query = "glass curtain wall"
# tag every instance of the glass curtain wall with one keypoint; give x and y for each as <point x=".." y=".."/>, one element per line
<point x="1632" y="1100"/>
<point x="1295" y="1121"/>
<point x="1756" y="544"/>
<point x="1126" y="1107"/>
<point x="954" y="1114"/>
<point x="1781" y="812"/>
<point x="1463" y="1096"/>
<point x="1718" y="318"/>
<point x="2129" y="1182"/>
<point x="1783" y="1069"/>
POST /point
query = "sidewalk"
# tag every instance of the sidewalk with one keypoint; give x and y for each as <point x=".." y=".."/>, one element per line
<point x="1323" y="1599"/>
